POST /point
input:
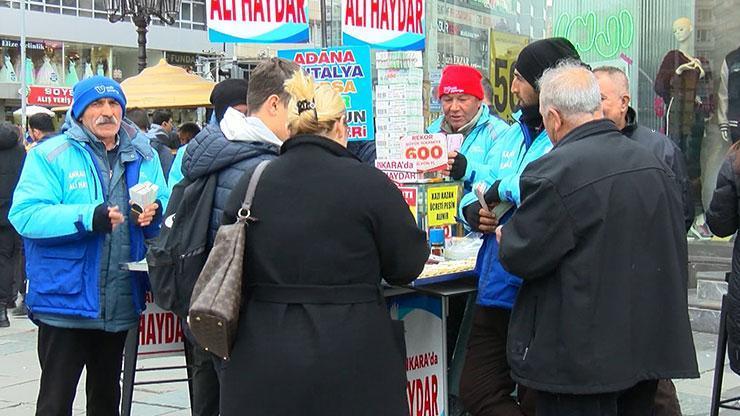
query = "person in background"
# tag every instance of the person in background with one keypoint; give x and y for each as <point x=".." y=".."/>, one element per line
<point x="40" y="127"/>
<point x="12" y="155"/>
<point x="485" y="83"/>
<point x="615" y="103"/>
<point x="486" y="386"/>
<point x="163" y="129"/>
<point x="461" y="94"/>
<point x="228" y="147"/>
<point x="312" y="283"/>
<point x="71" y="207"/>
<point x="599" y="241"/>
<point x="186" y="132"/>
<point x="157" y="137"/>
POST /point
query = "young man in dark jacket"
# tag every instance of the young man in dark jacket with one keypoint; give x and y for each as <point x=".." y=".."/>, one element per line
<point x="11" y="160"/>
<point x="599" y="242"/>
<point x="228" y="147"/>
<point x="158" y="138"/>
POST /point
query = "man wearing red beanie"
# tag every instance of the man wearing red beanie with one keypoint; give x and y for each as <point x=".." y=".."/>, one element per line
<point x="461" y="93"/>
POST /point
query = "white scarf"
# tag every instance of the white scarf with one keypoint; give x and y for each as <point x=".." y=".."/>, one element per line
<point x="239" y="128"/>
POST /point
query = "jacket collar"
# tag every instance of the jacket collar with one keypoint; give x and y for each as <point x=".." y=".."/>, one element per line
<point x="319" y="141"/>
<point x="631" y="118"/>
<point x="481" y="118"/>
<point x="591" y="128"/>
<point x="131" y="141"/>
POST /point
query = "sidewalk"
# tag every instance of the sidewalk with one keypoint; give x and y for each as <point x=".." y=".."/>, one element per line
<point x="19" y="378"/>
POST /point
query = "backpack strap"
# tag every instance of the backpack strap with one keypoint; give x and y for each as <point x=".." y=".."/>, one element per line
<point x="244" y="213"/>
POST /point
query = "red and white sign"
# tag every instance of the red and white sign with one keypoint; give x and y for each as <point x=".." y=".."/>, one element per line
<point x="429" y="151"/>
<point x="50" y="96"/>
<point x="399" y="170"/>
<point x="409" y="195"/>
<point x="160" y="332"/>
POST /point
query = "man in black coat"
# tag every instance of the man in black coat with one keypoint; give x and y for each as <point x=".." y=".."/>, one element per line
<point x="615" y="103"/>
<point x="599" y="242"/>
<point x="12" y="155"/>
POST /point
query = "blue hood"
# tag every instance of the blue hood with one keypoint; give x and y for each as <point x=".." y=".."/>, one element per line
<point x="210" y="151"/>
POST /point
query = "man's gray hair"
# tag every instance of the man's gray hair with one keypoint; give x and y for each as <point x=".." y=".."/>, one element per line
<point x="570" y="88"/>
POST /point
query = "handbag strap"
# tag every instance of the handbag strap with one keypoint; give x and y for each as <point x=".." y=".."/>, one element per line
<point x="244" y="213"/>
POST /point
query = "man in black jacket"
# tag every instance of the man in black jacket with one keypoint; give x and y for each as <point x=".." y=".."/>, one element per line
<point x="599" y="242"/>
<point x="615" y="103"/>
<point x="11" y="161"/>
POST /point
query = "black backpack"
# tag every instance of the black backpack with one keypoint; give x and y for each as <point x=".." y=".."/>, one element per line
<point x="176" y="257"/>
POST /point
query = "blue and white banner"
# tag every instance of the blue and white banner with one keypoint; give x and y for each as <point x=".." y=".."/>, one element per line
<point x="384" y="24"/>
<point x="347" y="70"/>
<point x="258" y="21"/>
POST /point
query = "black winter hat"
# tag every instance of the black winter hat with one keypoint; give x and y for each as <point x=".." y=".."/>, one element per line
<point x="228" y="93"/>
<point x="543" y="54"/>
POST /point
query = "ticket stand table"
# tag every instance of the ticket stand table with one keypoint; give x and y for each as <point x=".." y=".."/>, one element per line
<point x="422" y="305"/>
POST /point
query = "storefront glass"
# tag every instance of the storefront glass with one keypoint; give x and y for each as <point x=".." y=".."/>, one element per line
<point x="649" y="39"/>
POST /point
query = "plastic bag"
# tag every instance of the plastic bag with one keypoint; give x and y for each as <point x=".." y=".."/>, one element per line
<point x="461" y="248"/>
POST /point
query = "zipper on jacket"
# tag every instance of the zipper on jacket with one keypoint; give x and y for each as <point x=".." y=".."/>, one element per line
<point x="532" y="332"/>
<point x="95" y="183"/>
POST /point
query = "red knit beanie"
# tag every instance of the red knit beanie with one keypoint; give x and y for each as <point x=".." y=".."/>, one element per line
<point x="461" y="79"/>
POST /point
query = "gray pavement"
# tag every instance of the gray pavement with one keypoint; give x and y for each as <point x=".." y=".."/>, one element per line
<point x="19" y="378"/>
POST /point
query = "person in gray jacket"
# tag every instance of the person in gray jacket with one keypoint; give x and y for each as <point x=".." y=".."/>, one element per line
<point x="615" y="103"/>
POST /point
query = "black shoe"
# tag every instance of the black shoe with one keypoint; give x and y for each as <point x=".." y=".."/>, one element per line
<point x="4" y="322"/>
<point x="20" y="310"/>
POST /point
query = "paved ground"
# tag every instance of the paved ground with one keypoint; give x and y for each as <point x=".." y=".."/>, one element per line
<point x="19" y="377"/>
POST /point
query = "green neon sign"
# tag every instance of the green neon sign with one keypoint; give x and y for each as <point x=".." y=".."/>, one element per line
<point x="617" y="34"/>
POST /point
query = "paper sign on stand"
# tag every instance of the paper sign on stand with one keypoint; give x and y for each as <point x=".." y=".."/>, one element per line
<point x="426" y="351"/>
<point x="160" y="332"/>
<point x="347" y="70"/>
<point x="442" y="205"/>
<point x="262" y="21"/>
<point x="428" y="150"/>
<point x="410" y="196"/>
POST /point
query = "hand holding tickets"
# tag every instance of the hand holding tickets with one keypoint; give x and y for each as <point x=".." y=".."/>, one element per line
<point x="143" y="206"/>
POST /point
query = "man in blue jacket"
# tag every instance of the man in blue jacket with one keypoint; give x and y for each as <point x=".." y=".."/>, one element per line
<point x="71" y="207"/>
<point x="461" y="94"/>
<point x="486" y="386"/>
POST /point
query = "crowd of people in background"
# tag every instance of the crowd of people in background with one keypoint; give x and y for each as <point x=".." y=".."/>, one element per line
<point x="581" y="305"/>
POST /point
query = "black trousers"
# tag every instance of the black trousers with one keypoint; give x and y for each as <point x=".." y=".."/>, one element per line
<point x="204" y="384"/>
<point x="9" y="265"/>
<point x="63" y="353"/>
<point x="486" y="386"/>
<point x="636" y="401"/>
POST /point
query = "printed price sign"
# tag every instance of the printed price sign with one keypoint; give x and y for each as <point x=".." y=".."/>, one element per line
<point x="160" y="331"/>
<point x="428" y="150"/>
<point x="442" y="205"/>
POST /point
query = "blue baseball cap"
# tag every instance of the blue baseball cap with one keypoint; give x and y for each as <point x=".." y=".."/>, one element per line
<point x="92" y="89"/>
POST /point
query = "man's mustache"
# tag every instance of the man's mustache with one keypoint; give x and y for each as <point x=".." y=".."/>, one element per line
<point x="106" y="120"/>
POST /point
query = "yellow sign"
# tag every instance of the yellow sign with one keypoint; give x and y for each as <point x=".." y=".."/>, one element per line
<point x="505" y="48"/>
<point x="442" y="205"/>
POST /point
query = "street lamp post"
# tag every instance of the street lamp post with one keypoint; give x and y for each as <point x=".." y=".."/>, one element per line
<point x="141" y="12"/>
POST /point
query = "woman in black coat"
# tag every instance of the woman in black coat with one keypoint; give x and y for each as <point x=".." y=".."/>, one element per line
<point x="723" y="219"/>
<point x="315" y="336"/>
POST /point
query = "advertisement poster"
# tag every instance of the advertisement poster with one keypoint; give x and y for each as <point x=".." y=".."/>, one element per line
<point x="257" y="21"/>
<point x="160" y="332"/>
<point x="347" y="70"/>
<point x="410" y="196"/>
<point x="442" y="205"/>
<point x="429" y="151"/>
<point x="426" y="385"/>
<point x="504" y="50"/>
<point x="384" y="24"/>
<point x="50" y="96"/>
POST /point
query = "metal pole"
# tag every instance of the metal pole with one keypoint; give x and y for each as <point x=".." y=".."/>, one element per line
<point x="324" y="41"/>
<point x="141" y="21"/>
<point x="24" y="86"/>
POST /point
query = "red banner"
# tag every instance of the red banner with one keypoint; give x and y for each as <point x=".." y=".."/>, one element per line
<point x="50" y="96"/>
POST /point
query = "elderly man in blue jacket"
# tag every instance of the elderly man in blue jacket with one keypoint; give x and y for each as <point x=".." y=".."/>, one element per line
<point x="461" y="94"/>
<point x="486" y="386"/>
<point x="71" y="207"/>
